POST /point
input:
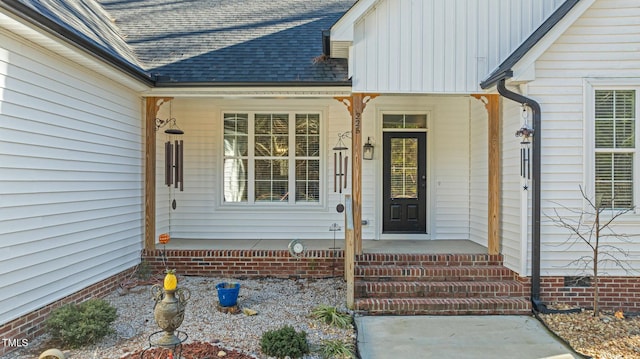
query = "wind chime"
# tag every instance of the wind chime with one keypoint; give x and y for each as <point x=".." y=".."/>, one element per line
<point x="340" y="167"/>
<point x="173" y="154"/>
<point x="526" y="133"/>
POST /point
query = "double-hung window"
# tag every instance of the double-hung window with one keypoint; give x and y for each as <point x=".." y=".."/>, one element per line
<point x="271" y="158"/>
<point x="615" y="147"/>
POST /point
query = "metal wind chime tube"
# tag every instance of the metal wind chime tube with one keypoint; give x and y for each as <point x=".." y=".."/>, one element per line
<point x="168" y="160"/>
<point x="178" y="167"/>
<point x="173" y="164"/>
<point x="525" y="164"/>
<point x="173" y="153"/>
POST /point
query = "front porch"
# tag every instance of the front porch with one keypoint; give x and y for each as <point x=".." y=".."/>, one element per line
<point x="440" y="154"/>
<point x="368" y="246"/>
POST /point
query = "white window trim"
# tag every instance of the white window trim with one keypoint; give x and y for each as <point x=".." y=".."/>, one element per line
<point x="590" y="87"/>
<point x="290" y="203"/>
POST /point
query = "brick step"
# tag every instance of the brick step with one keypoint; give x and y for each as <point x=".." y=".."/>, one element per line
<point x="421" y="289"/>
<point x="444" y="306"/>
<point x="378" y="273"/>
<point x="392" y="259"/>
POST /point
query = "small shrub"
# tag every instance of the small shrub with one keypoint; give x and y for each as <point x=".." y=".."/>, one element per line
<point x="284" y="342"/>
<point x="336" y="348"/>
<point x="77" y="325"/>
<point x="332" y="316"/>
<point x="143" y="272"/>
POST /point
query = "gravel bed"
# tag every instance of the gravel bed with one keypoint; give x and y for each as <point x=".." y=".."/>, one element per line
<point x="278" y="302"/>
<point x="282" y="302"/>
<point x="606" y="336"/>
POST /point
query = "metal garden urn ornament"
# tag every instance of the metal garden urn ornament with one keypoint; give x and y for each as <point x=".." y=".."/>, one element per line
<point x="169" y="310"/>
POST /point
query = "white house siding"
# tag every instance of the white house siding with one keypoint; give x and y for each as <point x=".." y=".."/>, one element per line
<point x="200" y="213"/>
<point x="439" y="46"/>
<point x="70" y="177"/>
<point x="602" y="44"/>
<point x="450" y="174"/>
<point x="448" y="157"/>
<point x="479" y="172"/>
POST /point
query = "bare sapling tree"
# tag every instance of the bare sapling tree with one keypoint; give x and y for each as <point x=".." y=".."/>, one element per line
<point x="589" y="226"/>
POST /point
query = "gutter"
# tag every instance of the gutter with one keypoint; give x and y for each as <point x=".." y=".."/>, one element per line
<point x="535" y="186"/>
<point x="536" y="302"/>
<point x="165" y="82"/>
<point x="33" y="17"/>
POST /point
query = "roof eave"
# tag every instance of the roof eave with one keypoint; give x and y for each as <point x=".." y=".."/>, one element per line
<point x="31" y="16"/>
<point x="495" y="77"/>
<point x="506" y="67"/>
<point x="213" y="84"/>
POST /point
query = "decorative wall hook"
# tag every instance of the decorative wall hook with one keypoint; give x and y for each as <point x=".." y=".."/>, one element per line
<point x="173" y="127"/>
<point x="526" y="132"/>
<point x="171" y="121"/>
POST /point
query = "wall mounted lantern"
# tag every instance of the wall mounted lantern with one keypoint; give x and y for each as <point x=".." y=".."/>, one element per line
<point x="367" y="150"/>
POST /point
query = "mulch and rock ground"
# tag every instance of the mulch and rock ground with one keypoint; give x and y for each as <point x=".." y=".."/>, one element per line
<point x="606" y="336"/>
<point x="278" y="302"/>
<point x="212" y="333"/>
<point x="195" y="350"/>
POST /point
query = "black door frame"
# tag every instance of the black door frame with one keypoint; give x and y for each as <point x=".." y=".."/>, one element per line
<point x="420" y="227"/>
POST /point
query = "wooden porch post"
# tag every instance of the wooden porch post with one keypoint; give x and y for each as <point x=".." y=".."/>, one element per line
<point x="151" y="111"/>
<point x="356" y="104"/>
<point x="492" y="104"/>
<point x="349" y="251"/>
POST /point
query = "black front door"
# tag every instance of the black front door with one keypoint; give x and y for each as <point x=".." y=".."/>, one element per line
<point x="405" y="182"/>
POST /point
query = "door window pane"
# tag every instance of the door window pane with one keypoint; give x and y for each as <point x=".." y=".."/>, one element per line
<point x="404" y="121"/>
<point x="404" y="168"/>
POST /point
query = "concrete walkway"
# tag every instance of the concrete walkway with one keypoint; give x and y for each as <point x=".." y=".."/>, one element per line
<point x="457" y="337"/>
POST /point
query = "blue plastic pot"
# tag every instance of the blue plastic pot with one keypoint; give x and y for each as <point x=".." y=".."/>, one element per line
<point x="228" y="293"/>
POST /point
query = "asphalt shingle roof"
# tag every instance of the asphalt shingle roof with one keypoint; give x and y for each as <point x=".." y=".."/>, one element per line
<point x="231" y="41"/>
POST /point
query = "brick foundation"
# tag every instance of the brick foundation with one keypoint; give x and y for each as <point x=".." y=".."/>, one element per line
<point x="616" y="293"/>
<point x="250" y="263"/>
<point x="32" y="325"/>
